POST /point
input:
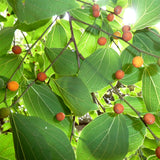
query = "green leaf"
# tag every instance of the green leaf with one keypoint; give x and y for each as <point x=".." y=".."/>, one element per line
<point x="150" y="88"/>
<point x="114" y="1"/>
<point x="136" y="102"/>
<point x="3" y="5"/>
<point x="66" y="64"/>
<point x="75" y="95"/>
<point x="31" y="11"/>
<point x="106" y="137"/>
<point x="87" y="44"/>
<point x="36" y="139"/>
<point x="8" y="64"/>
<point x="150" y="143"/>
<point x="147" y="13"/>
<point x="99" y="68"/>
<point x="137" y="131"/>
<point x="54" y="38"/>
<point x="40" y="101"/>
<point x="2" y="19"/>
<point x="7" y="147"/>
<point x="6" y="37"/>
<point x="148" y="42"/>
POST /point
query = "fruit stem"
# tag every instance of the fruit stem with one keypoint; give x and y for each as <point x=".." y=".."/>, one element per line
<point x="73" y="126"/>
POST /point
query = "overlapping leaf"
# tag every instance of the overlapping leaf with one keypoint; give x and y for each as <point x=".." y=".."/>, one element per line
<point x="36" y="139"/>
<point x="99" y="68"/>
<point x="75" y="95"/>
<point x="147" y="13"/>
<point x="106" y="137"/>
<point x="151" y="88"/>
<point x="40" y="101"/>
<point x="66" y="64"/>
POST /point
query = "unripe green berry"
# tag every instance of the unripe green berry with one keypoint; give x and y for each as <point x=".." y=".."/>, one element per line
<point x="4" y="112"/>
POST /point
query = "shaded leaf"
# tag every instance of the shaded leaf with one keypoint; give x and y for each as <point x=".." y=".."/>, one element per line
<point x="31" y="11"/>
<point x="2" y="19"/>
<point x="75" y="95"/>
<point x="66" y="64"/>
<point x="151" y="88"/>
<point x="99" y="68"/>
<point x="36" y="139"/>
<point x="6" y="37"/>
<point x="106" y="137"/>
<point x="40" y="101"/>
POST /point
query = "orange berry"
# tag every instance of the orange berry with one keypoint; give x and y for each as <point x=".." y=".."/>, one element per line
<point x="12" y="85"/>
<point x="95" y="7"/>
<point x="119" y="74"/>
<point x="118" y="108"/>
<point x="126" y="28"/>
<point x="16" y="49"/>
<point x="96" y="13"/>
<point x="41" y="76"/>
<point x="127" y="36"/>
<point x="118" y="10"/>
<point x="110" y="17"/>
<point x="149" y="118"/>
<point x="102" y="41"/>
<point x="158" y="152"/>
<point x="60" y="116"/>
<point x="137" y="61"/>
<point x="117" y="33"/>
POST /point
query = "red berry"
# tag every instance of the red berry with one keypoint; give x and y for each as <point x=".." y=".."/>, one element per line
<point x="117" y="10"/>
<point x="149" y="118"/>
<point x="102" y="41"/>
<point x="119" y="74"/>
<point x="110" y="17"/>
<point x="41" y="76"/>
<point x="60" y="116"/>
<point x="127" y="36"/>
<point x="158" y="152"/>
<point x="118" y="108"/>
<point x="96" y="13"/>
<point x="126" y="28"/>
<point x="16" y="49"/>
<point x="95" y="7"/>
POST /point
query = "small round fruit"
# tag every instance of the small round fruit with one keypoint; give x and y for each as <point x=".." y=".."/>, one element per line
<point x="16" y="49"/>
<point x="110" y="17"/>
<point x="102" y="41"/>
<point x="158" y="152"/>
<point x="95" y="7"/>
<point x="8" y="14"/>
<point x="118" y="10"/>
<point x="60" y="116"/>
<point x="149" y="118"/>
<point x="117" y="33"/>
<point x="41" y="76"/>
<point x="96" y="13"/>
<point x="4" y="112"/>
<point x="118" y="108"/>
<point x="126" y="28"/>
<point x="12" y="85"/>
<point x="127" y="36"/>
<point x="119" y="74"/>
<point x="137" y="61"/>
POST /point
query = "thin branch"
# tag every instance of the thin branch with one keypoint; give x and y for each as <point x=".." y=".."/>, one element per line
<point x="73" y="126"/>
<point x="158" y="35"/>
<point x="138" y="113"/>
<point x="97" y="101"/>
<point x="139" y="50"/>
<point x="117" y="46"/>
<point x="58" y="55"/>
